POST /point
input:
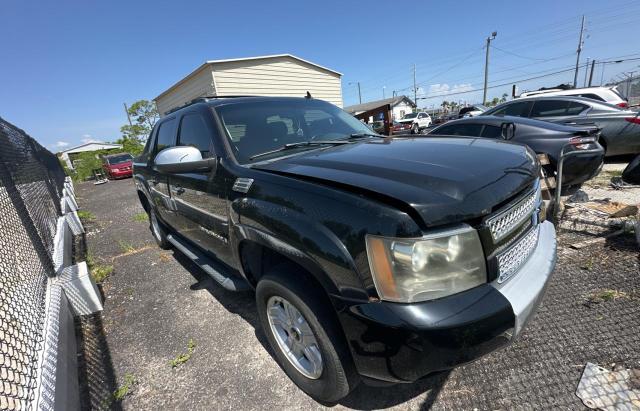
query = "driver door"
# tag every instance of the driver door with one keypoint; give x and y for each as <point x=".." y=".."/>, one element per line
<point x="200" y="198"/>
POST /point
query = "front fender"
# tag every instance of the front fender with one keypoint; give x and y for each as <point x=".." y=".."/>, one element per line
<point x="303" y="240"/>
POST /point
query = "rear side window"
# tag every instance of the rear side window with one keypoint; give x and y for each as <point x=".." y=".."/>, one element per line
<point x="492" y="132"/>
<point x="471" y="130"/>
<point x="518" y="109"/>
<point x="591" y="96"/>
<point x="549" y="108"/>
<point x="576" y="108"/>
<point x="554" y="108"/>
<point x="194" y="133"/>
<point x="166" y="134"/>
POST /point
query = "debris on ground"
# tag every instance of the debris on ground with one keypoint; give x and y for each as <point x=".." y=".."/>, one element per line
<point x="600" y="388"/>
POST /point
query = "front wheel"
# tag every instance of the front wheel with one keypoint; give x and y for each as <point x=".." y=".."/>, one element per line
<point x="158" y="231"/>
<point x="305" y="335"/>
<point x="415" y="129"/>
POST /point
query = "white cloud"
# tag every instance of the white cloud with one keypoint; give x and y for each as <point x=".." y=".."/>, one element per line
<point x="86" y="138"/>
<point x="436" y="89"/>
<point x="61" y="144"/>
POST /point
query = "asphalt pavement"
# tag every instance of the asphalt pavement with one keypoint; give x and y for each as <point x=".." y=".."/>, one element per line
<point x="156" y="301"/>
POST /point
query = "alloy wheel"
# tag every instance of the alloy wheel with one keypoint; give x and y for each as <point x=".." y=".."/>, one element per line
<point x="294" y="337"/>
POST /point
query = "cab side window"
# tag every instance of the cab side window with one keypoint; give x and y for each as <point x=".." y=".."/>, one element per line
<point x="194" y="133"/>
<point x="166" y="135"/>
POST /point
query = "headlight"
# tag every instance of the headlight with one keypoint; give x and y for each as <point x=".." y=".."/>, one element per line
<point x="434" y="266"/>
<point x="115" y="170"/>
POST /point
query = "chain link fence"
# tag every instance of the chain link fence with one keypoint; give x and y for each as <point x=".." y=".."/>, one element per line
<point x="31" y="184"/>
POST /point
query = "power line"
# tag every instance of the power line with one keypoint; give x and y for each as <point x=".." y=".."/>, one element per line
<point x="498" y="85"/>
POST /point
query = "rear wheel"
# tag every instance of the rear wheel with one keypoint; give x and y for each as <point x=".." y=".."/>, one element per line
<point x="158" y="231"/>
<point x="305" y="335"/>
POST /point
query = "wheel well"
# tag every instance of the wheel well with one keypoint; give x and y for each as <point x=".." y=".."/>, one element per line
<point x="143" y="201"/>
<point x="257" y="260"/>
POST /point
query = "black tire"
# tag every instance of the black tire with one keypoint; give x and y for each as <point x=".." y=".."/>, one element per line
<point x="415" y="129"/>
<point x="158" y="230"/>
<point x="338" y="376"/>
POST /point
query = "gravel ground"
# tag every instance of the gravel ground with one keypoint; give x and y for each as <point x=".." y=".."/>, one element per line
<point x="156" y="301"/>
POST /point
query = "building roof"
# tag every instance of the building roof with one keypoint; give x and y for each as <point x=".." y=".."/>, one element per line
<point x="105" y="146"/>
<point x="212" y="62"/>
<point x="393" y="101"/>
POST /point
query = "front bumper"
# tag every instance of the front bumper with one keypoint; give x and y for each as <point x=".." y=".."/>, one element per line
<point x="120" y="173"/>
<point x="404" y="342"/>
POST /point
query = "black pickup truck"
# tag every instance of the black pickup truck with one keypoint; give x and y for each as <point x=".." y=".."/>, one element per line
<point x="372" y="258"/>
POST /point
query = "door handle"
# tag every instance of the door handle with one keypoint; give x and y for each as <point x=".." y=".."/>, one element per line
<point x="177" y="190"/>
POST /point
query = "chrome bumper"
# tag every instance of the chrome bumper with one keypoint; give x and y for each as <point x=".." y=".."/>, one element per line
<point x="525" y="289"/>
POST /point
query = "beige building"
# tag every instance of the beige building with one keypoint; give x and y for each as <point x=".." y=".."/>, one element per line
<point x="277" y="75"/>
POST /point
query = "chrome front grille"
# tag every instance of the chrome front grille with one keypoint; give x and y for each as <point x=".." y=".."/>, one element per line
<point x="510" y="260"/>
<point x="513" y="215"/>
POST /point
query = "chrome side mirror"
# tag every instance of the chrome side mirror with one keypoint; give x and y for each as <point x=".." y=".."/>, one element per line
<point x="184" y="159"/>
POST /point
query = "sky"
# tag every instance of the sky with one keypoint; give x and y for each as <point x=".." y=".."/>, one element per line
<point x="68" y="66"/>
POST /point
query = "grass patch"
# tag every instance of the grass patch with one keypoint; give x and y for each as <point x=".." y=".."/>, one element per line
<point x="605" y="295"/>
<point x="126" y="246"/>
<point x="86" y="216"/>
<point x="184" y="357"/>
<point x="588" y="265"/>
<point x="101" y="272"/>
<point x="141" y="217"/>
<point x="126" y="388"/>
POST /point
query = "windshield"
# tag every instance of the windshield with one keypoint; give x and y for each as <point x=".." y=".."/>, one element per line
<point x="256" y="127"/>
<point x="411" y="115"/>
<point x="122" y="158"/>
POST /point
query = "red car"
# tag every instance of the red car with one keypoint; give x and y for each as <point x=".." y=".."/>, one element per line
<point x="401" y="128"/>
<point x="118" y="165"/>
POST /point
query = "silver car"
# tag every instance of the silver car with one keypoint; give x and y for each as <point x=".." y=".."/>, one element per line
<point x="620" y="128"/>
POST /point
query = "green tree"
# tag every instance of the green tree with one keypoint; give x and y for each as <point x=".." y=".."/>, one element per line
<point x="132" y="146"/>
<point x="494" y="102"/>
<point x="144" y="115"/>
<point x="504" y="97"/>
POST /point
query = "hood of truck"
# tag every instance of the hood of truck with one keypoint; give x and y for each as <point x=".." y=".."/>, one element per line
<point x="407" y="120"/>
<point x="446" y="180"/>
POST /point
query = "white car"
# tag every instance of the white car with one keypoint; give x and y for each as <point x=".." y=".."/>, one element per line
<point x="608" y="94"/>
<point x="418" y="121"/>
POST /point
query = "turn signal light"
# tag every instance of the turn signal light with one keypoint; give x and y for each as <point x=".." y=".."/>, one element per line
<point x="634" y="120"/>
<point x="624" y="104"/>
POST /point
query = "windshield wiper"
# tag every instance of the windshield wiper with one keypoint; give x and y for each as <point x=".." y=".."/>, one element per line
<point x="300" y="144"/>
<point x="360" y="135"/>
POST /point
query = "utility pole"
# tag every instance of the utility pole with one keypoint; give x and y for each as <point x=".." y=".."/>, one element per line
<point x="575" y="75"/>
<point x="126" y="110"/>
<point x="486" y="66"/>
<point x="383" y="87"/>
<point x="593" y="65"/>
<point x="415" y="89"/>
<point x="586" y="72"/>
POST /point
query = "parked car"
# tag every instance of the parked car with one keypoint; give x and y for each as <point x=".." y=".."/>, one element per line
<point x="371" y="257"/>
<point x="607" y="94"/>
<point x="416" y="122"/>
<point x="542" y="137"/>
<point x="619" y="128"/>
<point x="472" y="111"/>
<point x="118" y="165"/>
<point x="377" y="126"/>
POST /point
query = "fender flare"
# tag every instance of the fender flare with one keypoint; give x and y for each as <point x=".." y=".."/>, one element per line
<point x="248" y="233"/>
